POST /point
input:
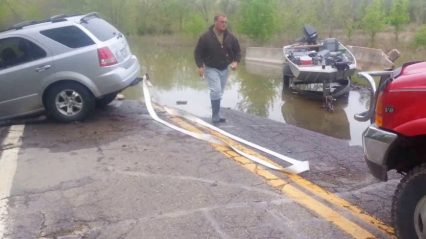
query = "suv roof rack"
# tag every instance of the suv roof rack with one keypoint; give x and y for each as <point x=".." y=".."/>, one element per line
<point x="56" y="18"/>
<point x="22" y="25"/>
<point x="59" y="18"/>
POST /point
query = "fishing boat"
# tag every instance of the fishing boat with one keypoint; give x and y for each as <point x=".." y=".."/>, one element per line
<point x="324" y="66"/>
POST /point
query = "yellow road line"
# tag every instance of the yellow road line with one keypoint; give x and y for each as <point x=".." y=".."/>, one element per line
<point x="307" y="201"/>
<point x="328" y="196"/>
<point x="334" y="199"/>
<point x="292" y="192"/>
<point x="324" y="194"/>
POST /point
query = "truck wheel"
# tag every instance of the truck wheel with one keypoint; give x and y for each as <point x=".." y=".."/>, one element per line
<point x="67" y="102"/>
<point x="409" y="205"/>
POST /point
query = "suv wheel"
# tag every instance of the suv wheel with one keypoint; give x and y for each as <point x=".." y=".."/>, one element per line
<point x="67" y="102"/>
<point x="409" y="205"/>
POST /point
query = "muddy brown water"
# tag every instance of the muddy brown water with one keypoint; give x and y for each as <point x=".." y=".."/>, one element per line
<point x="254" y="88"/>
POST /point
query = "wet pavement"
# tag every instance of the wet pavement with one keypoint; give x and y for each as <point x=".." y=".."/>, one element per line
<point x="120" y="174"/>
<point x="335" y="165"/>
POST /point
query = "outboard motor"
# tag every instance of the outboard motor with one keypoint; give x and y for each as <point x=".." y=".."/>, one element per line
<point x="311" y="34"/>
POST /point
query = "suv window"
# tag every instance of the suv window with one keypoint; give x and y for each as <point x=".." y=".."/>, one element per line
<point x="16" y="50"/>
<point x="100" y="28"/>
<point x="70" y="36"/>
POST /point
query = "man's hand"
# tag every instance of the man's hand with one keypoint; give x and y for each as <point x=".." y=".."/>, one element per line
<point x="234" y="65"/>
<point x="201" y="71"/>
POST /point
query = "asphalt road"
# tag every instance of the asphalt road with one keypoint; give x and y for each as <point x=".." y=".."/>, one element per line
<point x="120" y="174"/>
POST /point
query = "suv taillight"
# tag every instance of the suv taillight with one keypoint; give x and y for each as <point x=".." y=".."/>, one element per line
<point x="106" y="58"/>
<point x="378" y="118"/>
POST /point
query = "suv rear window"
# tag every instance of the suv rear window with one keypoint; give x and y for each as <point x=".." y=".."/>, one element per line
<point x="100" y="28"/>
<point x="70" y="36"/>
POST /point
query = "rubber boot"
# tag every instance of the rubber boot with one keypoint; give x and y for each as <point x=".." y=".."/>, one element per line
<point x="216" y="112"/>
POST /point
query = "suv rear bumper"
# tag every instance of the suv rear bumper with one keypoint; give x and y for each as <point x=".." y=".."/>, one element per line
<point x="119" y="78"/>
<point x="376" y="143"/>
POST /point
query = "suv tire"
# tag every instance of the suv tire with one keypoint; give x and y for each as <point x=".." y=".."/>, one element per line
<point x="69" y="101"/>
<point x="408" y="203"/>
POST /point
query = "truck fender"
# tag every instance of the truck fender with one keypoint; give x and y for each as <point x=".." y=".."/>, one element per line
<point x="412" y="128"/>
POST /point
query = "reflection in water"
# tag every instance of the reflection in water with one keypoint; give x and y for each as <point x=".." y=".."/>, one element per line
<point x="257" y="92"/>
<point x="254" y="88"/>
<point x="302" y="112"/>
<point x="264" y="69"/>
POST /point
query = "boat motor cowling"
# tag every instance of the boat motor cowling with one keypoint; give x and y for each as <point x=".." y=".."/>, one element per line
<point x="311" y="34"/>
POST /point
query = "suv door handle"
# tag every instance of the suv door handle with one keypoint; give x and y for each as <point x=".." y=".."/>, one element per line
<point x="42" y="68"/>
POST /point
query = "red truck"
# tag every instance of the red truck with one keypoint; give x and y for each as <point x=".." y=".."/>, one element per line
<point x="396" y="140"/>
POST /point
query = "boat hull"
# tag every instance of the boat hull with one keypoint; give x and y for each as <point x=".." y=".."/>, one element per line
<point x="337" y="89"/>
<point x="317" y="69"/>
<point x="315" y="74"/>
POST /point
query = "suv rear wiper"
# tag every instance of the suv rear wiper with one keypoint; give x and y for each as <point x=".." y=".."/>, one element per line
<point x="118" y="34"/>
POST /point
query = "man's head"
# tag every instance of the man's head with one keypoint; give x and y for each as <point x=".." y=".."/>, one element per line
<point x="220" y="22"/>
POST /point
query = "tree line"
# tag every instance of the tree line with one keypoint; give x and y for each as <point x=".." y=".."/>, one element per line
<point x="260" y="20"/>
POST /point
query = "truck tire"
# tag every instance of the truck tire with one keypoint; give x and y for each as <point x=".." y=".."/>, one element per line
<point x="68" y="101"/>
<point x="409" y="205"/>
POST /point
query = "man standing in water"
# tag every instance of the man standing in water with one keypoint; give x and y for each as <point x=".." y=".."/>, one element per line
<point x="217" y="49"/>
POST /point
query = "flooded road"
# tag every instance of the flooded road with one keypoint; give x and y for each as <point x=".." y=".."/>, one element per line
<point x="255" y="89"/>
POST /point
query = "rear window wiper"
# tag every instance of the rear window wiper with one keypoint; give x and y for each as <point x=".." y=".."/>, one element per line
<point x="118" y="34"/>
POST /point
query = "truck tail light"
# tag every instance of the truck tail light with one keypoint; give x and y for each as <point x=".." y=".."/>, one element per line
<point x="379" y="110"/>
<point x="106" y="58"/>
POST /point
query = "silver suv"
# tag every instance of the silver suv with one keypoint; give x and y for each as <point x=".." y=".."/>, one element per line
<point x="64" y="65"/>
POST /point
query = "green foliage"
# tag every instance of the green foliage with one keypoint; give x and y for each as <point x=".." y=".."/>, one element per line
<point x="346" y="12"/>
<point x="374" y="19"/>
<point x="420" y="38"/>
<point x="417" y="9"/>
<point x="195" y="25"/>
<point x="293" y="15"/>
<point x="258" y="19"/>
<point x="399" y="15"/>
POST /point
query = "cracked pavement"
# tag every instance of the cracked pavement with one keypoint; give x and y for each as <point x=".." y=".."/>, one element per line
<point x="122" y="175"/>
<point x="334" y="164"/>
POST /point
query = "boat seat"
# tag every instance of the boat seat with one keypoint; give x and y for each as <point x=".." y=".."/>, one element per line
<point x="331" y="44"/>
<point x="335" y="53"/>
<point x="323" y="53"/>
